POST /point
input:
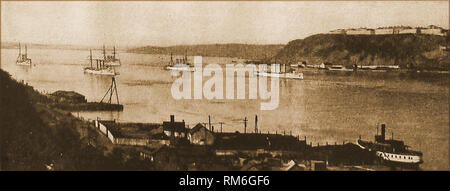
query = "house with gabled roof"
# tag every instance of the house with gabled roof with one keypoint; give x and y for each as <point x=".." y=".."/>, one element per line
<point x="174" y="129"/>
<point x="200" y="135"/>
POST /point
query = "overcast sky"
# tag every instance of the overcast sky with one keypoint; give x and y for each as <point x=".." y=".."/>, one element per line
<point x="174" y="23"/>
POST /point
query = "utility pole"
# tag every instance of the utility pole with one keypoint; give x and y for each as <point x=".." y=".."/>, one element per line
<point x="206" y="137"/>
<point x="245" y="125"/>
<point x="221" y="123"/>
<point x="256" y="123"/>
<point x="209" y="122"/>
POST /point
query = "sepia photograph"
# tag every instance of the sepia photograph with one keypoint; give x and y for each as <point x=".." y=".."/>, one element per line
<point x="224" y="86"/>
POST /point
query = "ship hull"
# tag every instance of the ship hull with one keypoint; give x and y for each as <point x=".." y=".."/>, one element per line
<point x="185" y="69"/>
<point x="341" y="69"/>
<point x="24" y="63"/>
<point x="281" y="75"/>
<point x="399" y="158"/>
<point x="391" y="157"/>
<point x="100" y="72"/>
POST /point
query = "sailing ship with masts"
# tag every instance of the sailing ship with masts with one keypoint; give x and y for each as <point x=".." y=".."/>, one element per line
<point x="111" y="60"/>
<point x="100" y="68"/>
<point x="22" y="59"/>
<point x="180" y="64"/>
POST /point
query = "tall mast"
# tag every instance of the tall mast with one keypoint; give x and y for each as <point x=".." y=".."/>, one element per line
<point x="90" y="56"/>
<point x="25" y="51"/>
<point x="114" y="52"/>
<point x="20" y="49"/>
<point x="104" y="52"/>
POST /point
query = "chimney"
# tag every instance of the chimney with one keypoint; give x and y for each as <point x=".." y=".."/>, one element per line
<point x="172" y="118"/>
<point x="383" y="132"/>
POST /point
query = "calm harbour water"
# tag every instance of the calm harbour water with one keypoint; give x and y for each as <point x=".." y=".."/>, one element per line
<point x="324" y="108"/>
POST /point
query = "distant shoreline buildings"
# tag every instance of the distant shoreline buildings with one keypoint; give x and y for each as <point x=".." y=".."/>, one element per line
<point x="431" y="30"/>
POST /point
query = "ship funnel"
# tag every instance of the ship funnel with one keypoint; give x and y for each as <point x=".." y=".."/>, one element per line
<point x="383" y="132"/>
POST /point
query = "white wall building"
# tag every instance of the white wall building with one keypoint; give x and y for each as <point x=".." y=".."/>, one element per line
<point x="408" y="31"/>
<point x="361" y="31"/>
<point x="384" y="31"/>
<point x="432" y="32"/>
<point x="337" y="31"/>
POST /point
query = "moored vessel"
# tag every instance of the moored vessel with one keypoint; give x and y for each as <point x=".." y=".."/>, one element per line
<point x="278" y="74"/>
<point x="339" y="68"/>
<point x="392" y="152"/>
<point x="179" y="64"/>
<point x="100" y="67"/>
<point x="291" y="75"/>
<point x="22" y="59"/>
<point x="111" y="60"/>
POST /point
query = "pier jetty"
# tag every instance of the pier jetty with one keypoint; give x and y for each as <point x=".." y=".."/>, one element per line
<point x="73" y="101"/>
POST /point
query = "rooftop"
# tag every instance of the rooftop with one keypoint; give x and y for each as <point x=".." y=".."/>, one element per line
<point x="197" y="128"/>
<point x="67" y="94"/>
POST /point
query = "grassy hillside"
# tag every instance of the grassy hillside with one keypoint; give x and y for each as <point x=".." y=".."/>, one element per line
<point x="405" y="50"/>
<point x="33" y="135"/>
<point x="215" y="50"/>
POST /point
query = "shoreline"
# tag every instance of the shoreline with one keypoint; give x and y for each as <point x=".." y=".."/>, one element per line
<point x="258" y="158"/>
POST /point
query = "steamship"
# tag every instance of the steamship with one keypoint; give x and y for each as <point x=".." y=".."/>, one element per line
<point x="179" y="64"/>
<point x="22" y="59"/>
<point x="111" y="60"/>
<point x="101" y="68"/>
<point x="279" y="74"/>
<point x="391" y="151"/>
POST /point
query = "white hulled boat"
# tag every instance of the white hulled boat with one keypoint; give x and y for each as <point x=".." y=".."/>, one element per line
<point x="279" y="74"/>
<point x="100" y="67"/>
<point x="291" y="75"/>
<point x="179" y="64"/>
<point x="391" y="151"/>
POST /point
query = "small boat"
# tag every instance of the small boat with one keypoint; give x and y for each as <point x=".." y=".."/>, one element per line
<point x="101" y="68"/>
<point x="278" y="74"/>
<point x="291" y="75"/>
<point x="391" y="151"/>
<point x="22" y="59"/>
<point x="380" y="67"/>
<point x="339" y="68"/>
<point x="181" y="67"/>
<point x="179" y="64"/>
